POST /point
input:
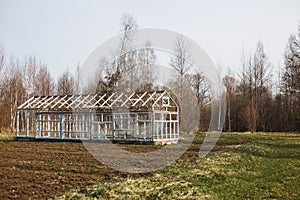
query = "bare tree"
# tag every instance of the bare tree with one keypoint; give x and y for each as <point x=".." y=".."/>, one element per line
<point x="77" y="79"/>
<point x="128" y="23"/>
<point x="145" y="71"/>
<point x="179" y="62"/>
<point x="230" y="84"/>
<point x="65" y="84"/>
<point x="2" y="63"/>
<point x="254" y="87"/>
<point x="291" y="81"/>
<point x="129" y="77"/>
<point x="132" y="69"/>
<point x="2" y="59"/>
<point x="122" y="66"/>
<point x="14" y="91"/>
<point x="262" y="84"/>
<point x="29" y="71"/>
<point x="43" y="84"/>
<point x="2" y="106"/>
<point x="200" y="88"/>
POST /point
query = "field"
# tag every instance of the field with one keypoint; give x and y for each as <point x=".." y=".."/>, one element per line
<point x="241" y="166"/>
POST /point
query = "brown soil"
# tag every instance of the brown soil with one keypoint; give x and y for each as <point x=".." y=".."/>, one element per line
<point x="42" y="170"/>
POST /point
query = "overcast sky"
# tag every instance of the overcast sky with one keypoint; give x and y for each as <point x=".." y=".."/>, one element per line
<point x="63" y="33"/>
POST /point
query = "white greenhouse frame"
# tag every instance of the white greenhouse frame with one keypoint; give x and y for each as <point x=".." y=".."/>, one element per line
<point x="146" y="117"/>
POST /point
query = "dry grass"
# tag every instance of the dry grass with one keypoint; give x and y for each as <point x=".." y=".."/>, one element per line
<point x="243" y="166"/>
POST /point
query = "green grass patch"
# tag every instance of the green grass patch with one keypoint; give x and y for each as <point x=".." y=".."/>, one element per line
<point x="242" y="166"/>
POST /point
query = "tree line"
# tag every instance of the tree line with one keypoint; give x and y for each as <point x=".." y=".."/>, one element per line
<point x="256" y="100"/>
<point x="21" y="80"/>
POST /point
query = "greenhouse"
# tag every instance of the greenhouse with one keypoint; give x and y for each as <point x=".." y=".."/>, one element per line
<point x="139" y="116"/>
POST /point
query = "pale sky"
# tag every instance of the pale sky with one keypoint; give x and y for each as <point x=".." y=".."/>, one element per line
<point x="63" y="33"/>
